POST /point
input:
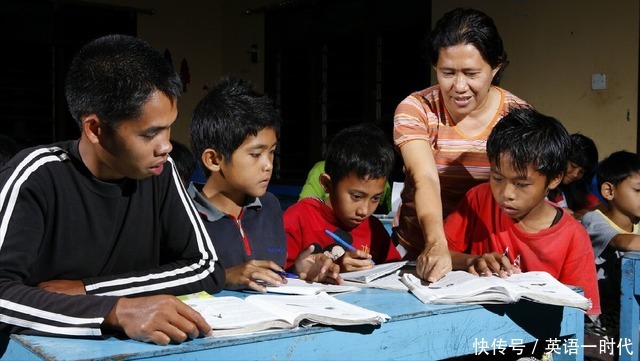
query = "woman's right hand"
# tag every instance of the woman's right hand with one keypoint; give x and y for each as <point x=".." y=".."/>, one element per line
<point x="434" y="262"/>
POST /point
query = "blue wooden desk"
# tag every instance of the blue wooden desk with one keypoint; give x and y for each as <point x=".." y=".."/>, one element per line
<point x="629" y="304"/>
<point x="415" y="332"/>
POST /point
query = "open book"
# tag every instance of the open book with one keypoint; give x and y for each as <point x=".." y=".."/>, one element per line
<point x="371" y="274"/>
<point x="230" y="315"/>
<point x="463" y="287"/>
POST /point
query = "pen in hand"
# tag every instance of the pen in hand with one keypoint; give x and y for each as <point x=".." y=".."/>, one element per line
<point x="286" y="274"/>
<point x="341" y="242"/>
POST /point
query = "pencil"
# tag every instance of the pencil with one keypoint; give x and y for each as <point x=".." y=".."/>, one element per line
<point x="341" y="241"/>
<point x="286" y="274"/>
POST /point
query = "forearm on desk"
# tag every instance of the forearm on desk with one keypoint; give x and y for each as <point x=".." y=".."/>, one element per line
<point x="176" y="278"/>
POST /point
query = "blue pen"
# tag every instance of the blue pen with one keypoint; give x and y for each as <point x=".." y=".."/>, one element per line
<point x="341" y="241"/>
<point x="285" y="274"/>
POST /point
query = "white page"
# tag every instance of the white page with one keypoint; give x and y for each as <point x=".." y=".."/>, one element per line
<point x="457" y="285"/>
<point x="542" y="287"/>
<point x="301" y="287"/>
<point x="371" y="274"/>
<point x="390" y="282"/>
<point x="320" y="308"/>
<point x="230" y="312"/>
<point x="463" y="287"/>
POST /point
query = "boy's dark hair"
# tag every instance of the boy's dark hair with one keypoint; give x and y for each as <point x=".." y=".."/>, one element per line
<point x="468" y="26"/>
<point x="184" y="160"/>
<point x="230" y="112"/>
<point x="532" y="139"/>
<point x="113" y="77"/>
<point x="584" y="154"/>
<point x="617" y="167"/>
<point x="8" y="148"/>
<point x="362" y="150"/>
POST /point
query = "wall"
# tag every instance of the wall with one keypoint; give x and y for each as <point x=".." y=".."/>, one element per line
<point x="214" y="36"/>
<point x="555" y="46"/>
<point x="190" y="30"/>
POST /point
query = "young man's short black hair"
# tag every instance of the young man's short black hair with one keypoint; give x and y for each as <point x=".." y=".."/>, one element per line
<point x="230" y="112"/>
<point x="617" y="167"/>
<point x="113" y="77"/>
<point x="362" y="150"/>
<point x="530" y="138"/>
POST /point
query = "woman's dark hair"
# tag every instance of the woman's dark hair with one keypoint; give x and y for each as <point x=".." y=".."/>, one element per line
<point x="468" y="26"/>
<point x="584" y="154"/>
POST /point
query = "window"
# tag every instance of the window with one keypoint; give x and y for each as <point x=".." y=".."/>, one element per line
<point x="332" y="64"/>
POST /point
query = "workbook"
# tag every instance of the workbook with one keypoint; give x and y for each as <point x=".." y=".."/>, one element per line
<point x="391" y="281"/>
<point x="296" y="286"/>
<point x="229" y="315"/>
<point x="371" y="274"/>
<point x="463" y="287"/>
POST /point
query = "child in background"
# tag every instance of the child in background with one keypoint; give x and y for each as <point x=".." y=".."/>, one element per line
<point x="184" y="161"/>
<point x="507" y="223"/>
<point x="613" y="231"/>
<point x="234" y="131"/>
<point x="313" y="188"/>
<point x="574" y="192"/>
<point x="358" y="162"/>
<point x="8" y="148"/>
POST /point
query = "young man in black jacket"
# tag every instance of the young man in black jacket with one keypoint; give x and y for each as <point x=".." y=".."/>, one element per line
<point x="97" y="233"/>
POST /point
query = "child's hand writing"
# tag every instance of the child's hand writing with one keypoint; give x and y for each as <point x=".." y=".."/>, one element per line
<point x="355" y="261"/>
<point x="254" y="274"/>
<point x="492" y="263"/>
<point x="317" y="267"/>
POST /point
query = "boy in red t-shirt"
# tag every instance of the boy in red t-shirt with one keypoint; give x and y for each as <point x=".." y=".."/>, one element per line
<point x="359" y="160"/>
<point x="507" y="225"/>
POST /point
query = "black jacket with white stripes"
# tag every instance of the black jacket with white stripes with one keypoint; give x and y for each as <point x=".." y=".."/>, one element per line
<point x="132" y="238"/>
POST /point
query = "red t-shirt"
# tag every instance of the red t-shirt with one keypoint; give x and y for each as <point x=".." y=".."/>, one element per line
<point x="592" y="201"/>
<point x="306" y="221"/>
<point x="479" y="226"/>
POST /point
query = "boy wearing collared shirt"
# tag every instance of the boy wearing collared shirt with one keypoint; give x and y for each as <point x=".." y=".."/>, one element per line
<point x="234" y="132"/>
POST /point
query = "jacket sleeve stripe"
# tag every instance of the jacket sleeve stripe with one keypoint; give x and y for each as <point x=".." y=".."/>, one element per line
<point x="169" y="279"/>
<point x="146" y="278"/>
<point x="34" y="312"/>
<point x="70" y="331"/>
<point x="158" y="286"/>
<point x="11" y="188"/>
<point x="194" y="217"/>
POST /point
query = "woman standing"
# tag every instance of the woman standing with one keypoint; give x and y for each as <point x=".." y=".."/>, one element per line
<point x="441" y="132"/>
